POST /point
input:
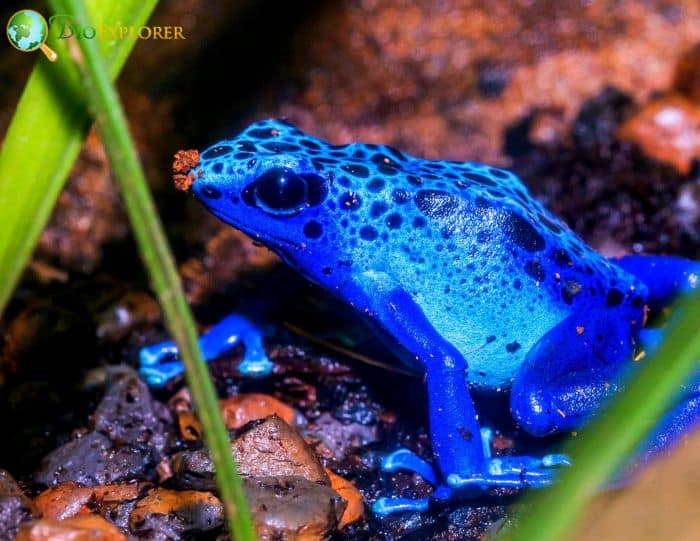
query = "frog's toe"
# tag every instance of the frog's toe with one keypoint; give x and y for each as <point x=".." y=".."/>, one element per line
<point x="160" y="374"/>
<point x="255" y="363"/>
<point x="556" y="459"/>
<point x="403" y="459"/>
<point x="384" y="507"/>
<point x="388" y="506"/>
<point x="157" y="353"/>
<point x="512" y="472"/>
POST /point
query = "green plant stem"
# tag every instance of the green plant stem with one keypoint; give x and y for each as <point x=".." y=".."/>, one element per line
<point x="609" y="439"/>
<point x="107" y="111"/>
<point x="44" y="138"/>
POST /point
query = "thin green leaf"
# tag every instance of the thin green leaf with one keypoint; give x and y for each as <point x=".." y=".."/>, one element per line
<point x="609" y="439"/>
<point x="111" y="122"/>
<point x="45" y="135"/>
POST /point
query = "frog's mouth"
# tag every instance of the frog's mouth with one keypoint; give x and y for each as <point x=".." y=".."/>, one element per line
<point x="283" y="247"/>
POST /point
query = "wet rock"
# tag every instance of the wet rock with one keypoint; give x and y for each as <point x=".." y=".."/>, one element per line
<point x="186" y="511"/>
<point x="339" y="437"/>
<point x="241" y="409"/>
<point x="129" y="415"/>
<point x="15" y="507"/>
<point x="269" y="447"/>
<point x="80" y="528"/>
<point x="292" y="508"/>
<point x="93" y="460"/>
<point x="355" y="509"/>
<point x="69" y="499"/>
<point x="667" y="130"/>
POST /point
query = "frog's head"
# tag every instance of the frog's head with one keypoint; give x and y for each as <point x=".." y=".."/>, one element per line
<point x="266" y="183"/>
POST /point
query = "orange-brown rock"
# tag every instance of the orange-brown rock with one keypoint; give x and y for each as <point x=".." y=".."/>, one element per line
<point x="355" y="509"/>
<point x="68" y="499"/>
<point x="196" y="510"/>
<point x="190" y="428"/>
<point x="241" y="409"/>
<point x="79" y="528"/>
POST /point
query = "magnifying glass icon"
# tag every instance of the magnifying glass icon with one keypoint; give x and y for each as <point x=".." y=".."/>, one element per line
<point x="27" y="31"/>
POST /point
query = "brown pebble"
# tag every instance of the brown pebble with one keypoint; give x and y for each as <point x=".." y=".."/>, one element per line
<point x="273" y="448"/>
<point x="265" y="448"/>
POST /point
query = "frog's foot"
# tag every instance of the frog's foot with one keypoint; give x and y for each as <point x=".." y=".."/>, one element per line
<point x="498" y="472"/>
<point x="159" y="363"/>
<point x="403" y="459"/>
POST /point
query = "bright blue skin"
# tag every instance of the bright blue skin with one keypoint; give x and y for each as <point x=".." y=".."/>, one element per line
<point x="463" y="272"/>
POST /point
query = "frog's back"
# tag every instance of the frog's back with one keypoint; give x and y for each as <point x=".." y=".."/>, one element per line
<point x="491" y="268"/>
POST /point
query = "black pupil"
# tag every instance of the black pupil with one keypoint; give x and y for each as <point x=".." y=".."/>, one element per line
<point x="281" y="189"/>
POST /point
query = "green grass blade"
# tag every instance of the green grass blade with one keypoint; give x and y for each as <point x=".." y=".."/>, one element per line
<point x="111" y="122"/>
<point x="611" y="437"/>
<point x="45" y="135"/>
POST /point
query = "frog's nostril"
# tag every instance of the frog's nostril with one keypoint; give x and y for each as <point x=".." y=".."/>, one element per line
<point x="185" y="161"/>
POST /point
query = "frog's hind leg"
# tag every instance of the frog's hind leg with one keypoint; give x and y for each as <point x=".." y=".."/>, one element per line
<point x="578" y="365"/>
<point x="463" y="467"/>
<point x="571" y="370"/>
<point x="159" y="362"/>
<point x="665" y="276"/>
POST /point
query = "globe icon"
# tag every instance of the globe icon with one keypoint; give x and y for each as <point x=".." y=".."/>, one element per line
<point x="27" y="31"/>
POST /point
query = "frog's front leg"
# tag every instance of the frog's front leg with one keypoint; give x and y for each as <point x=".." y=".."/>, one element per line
<point x="456" y="435"/>
<point x="159" y="363"/>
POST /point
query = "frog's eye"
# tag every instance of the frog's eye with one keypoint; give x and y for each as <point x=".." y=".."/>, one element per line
<point x="282" y="191"/>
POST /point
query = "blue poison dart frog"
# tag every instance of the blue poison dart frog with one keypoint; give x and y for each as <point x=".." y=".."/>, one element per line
<point x="466" y="275"/>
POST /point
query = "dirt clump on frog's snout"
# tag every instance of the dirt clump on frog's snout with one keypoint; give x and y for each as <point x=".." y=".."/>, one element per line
<point x="185" y="161"/>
